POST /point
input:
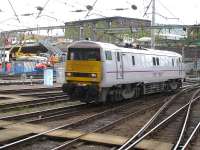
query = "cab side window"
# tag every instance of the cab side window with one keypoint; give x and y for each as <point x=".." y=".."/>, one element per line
<point x="118" y="56"/>
<point x="173" y="62"/>
<point x="157" y="61"/>
<point x="154" y="61"/>
<point x="133" y="60"/>
<point x="108" y="55"/>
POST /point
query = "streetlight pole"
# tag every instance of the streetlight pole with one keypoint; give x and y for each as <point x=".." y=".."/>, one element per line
<point x="2" y="46"/>
<point x="153" y="24"/>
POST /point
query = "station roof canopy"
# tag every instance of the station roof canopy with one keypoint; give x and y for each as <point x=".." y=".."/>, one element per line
<point x="36" y="47"/>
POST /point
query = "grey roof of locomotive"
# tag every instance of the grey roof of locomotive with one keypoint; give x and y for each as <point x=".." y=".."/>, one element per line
<point x="112" y="47"/>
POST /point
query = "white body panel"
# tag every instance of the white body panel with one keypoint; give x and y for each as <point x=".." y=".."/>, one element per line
<point x="123" y="71"/>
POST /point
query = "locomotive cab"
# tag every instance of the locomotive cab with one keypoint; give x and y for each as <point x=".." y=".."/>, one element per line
<point x="83" y="71"/>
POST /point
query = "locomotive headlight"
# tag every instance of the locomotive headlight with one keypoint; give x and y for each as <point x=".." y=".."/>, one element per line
<point x="93" y="75"/>
<point x="69" y="74"/>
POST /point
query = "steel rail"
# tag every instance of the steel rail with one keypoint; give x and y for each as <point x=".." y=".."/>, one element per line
<point x="10" y="106"/>
<point x="185" y="121"/>
<point x="191" y="136"/>
<point x="10" y="91"/>
<point x="65" y="144"/>
<point x="97" y="115"/>
<point x="61" y="111"/>
<point x="65" y="113"/>
<point x="62" y="115"/>
<point x="152" y="119"/>
<point x="31" y="137"/>
<point x="162" y="123"/>
<point x="33" y="114"/>
<point x="42" y="93"/>
<point x="38" y="104"/>
<point x="142" y="130"/>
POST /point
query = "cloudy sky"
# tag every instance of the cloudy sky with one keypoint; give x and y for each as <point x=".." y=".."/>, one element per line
<point x="56" y="12"/>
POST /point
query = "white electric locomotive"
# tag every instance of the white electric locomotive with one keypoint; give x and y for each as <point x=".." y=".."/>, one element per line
<point x="103" y="72"/>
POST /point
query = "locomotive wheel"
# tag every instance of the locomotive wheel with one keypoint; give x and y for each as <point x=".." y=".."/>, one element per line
<point x="173" y="85"/>
<point x="128" y="92"/>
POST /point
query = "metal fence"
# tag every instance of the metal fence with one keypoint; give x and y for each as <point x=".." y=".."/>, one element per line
<point x="18" y="67"/>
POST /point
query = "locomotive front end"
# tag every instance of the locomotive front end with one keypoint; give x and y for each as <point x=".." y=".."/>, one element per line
<point x="83" y="72"/>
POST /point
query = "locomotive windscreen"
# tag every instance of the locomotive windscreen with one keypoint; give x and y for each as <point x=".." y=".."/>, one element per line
<point x="89" y="54"/>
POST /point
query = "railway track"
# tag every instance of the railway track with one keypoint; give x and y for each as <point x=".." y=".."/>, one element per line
<point x="100" y="120"/>
<point x="105" y="121"/>
<point x="171" y="123"/>
<point x="190" y="126"/>
<point x="193" y="140"/>
<point x="31" y="98"/>
<point x="41" y="115"/>
<point x="28" y="90"/>
<point x="57" y="113"/>
<point x="33" y="103"/>
<point x="43" y="94"/>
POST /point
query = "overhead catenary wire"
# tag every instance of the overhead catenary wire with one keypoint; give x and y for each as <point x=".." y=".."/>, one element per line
<point x="147" y="8"/>
<point x="14" y="11"/>
<point x="40" y="12"/>
<point x="166" y="8"/>
<point x="91" y="9"/>
<point x="68" y="5"/>
<point x="79" y="7"/>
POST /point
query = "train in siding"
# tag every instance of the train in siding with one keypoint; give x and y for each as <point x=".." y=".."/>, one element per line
<point x="102" y="72"/>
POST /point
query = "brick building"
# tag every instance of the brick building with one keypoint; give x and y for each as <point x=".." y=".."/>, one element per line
<point x="108" y="29"/>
